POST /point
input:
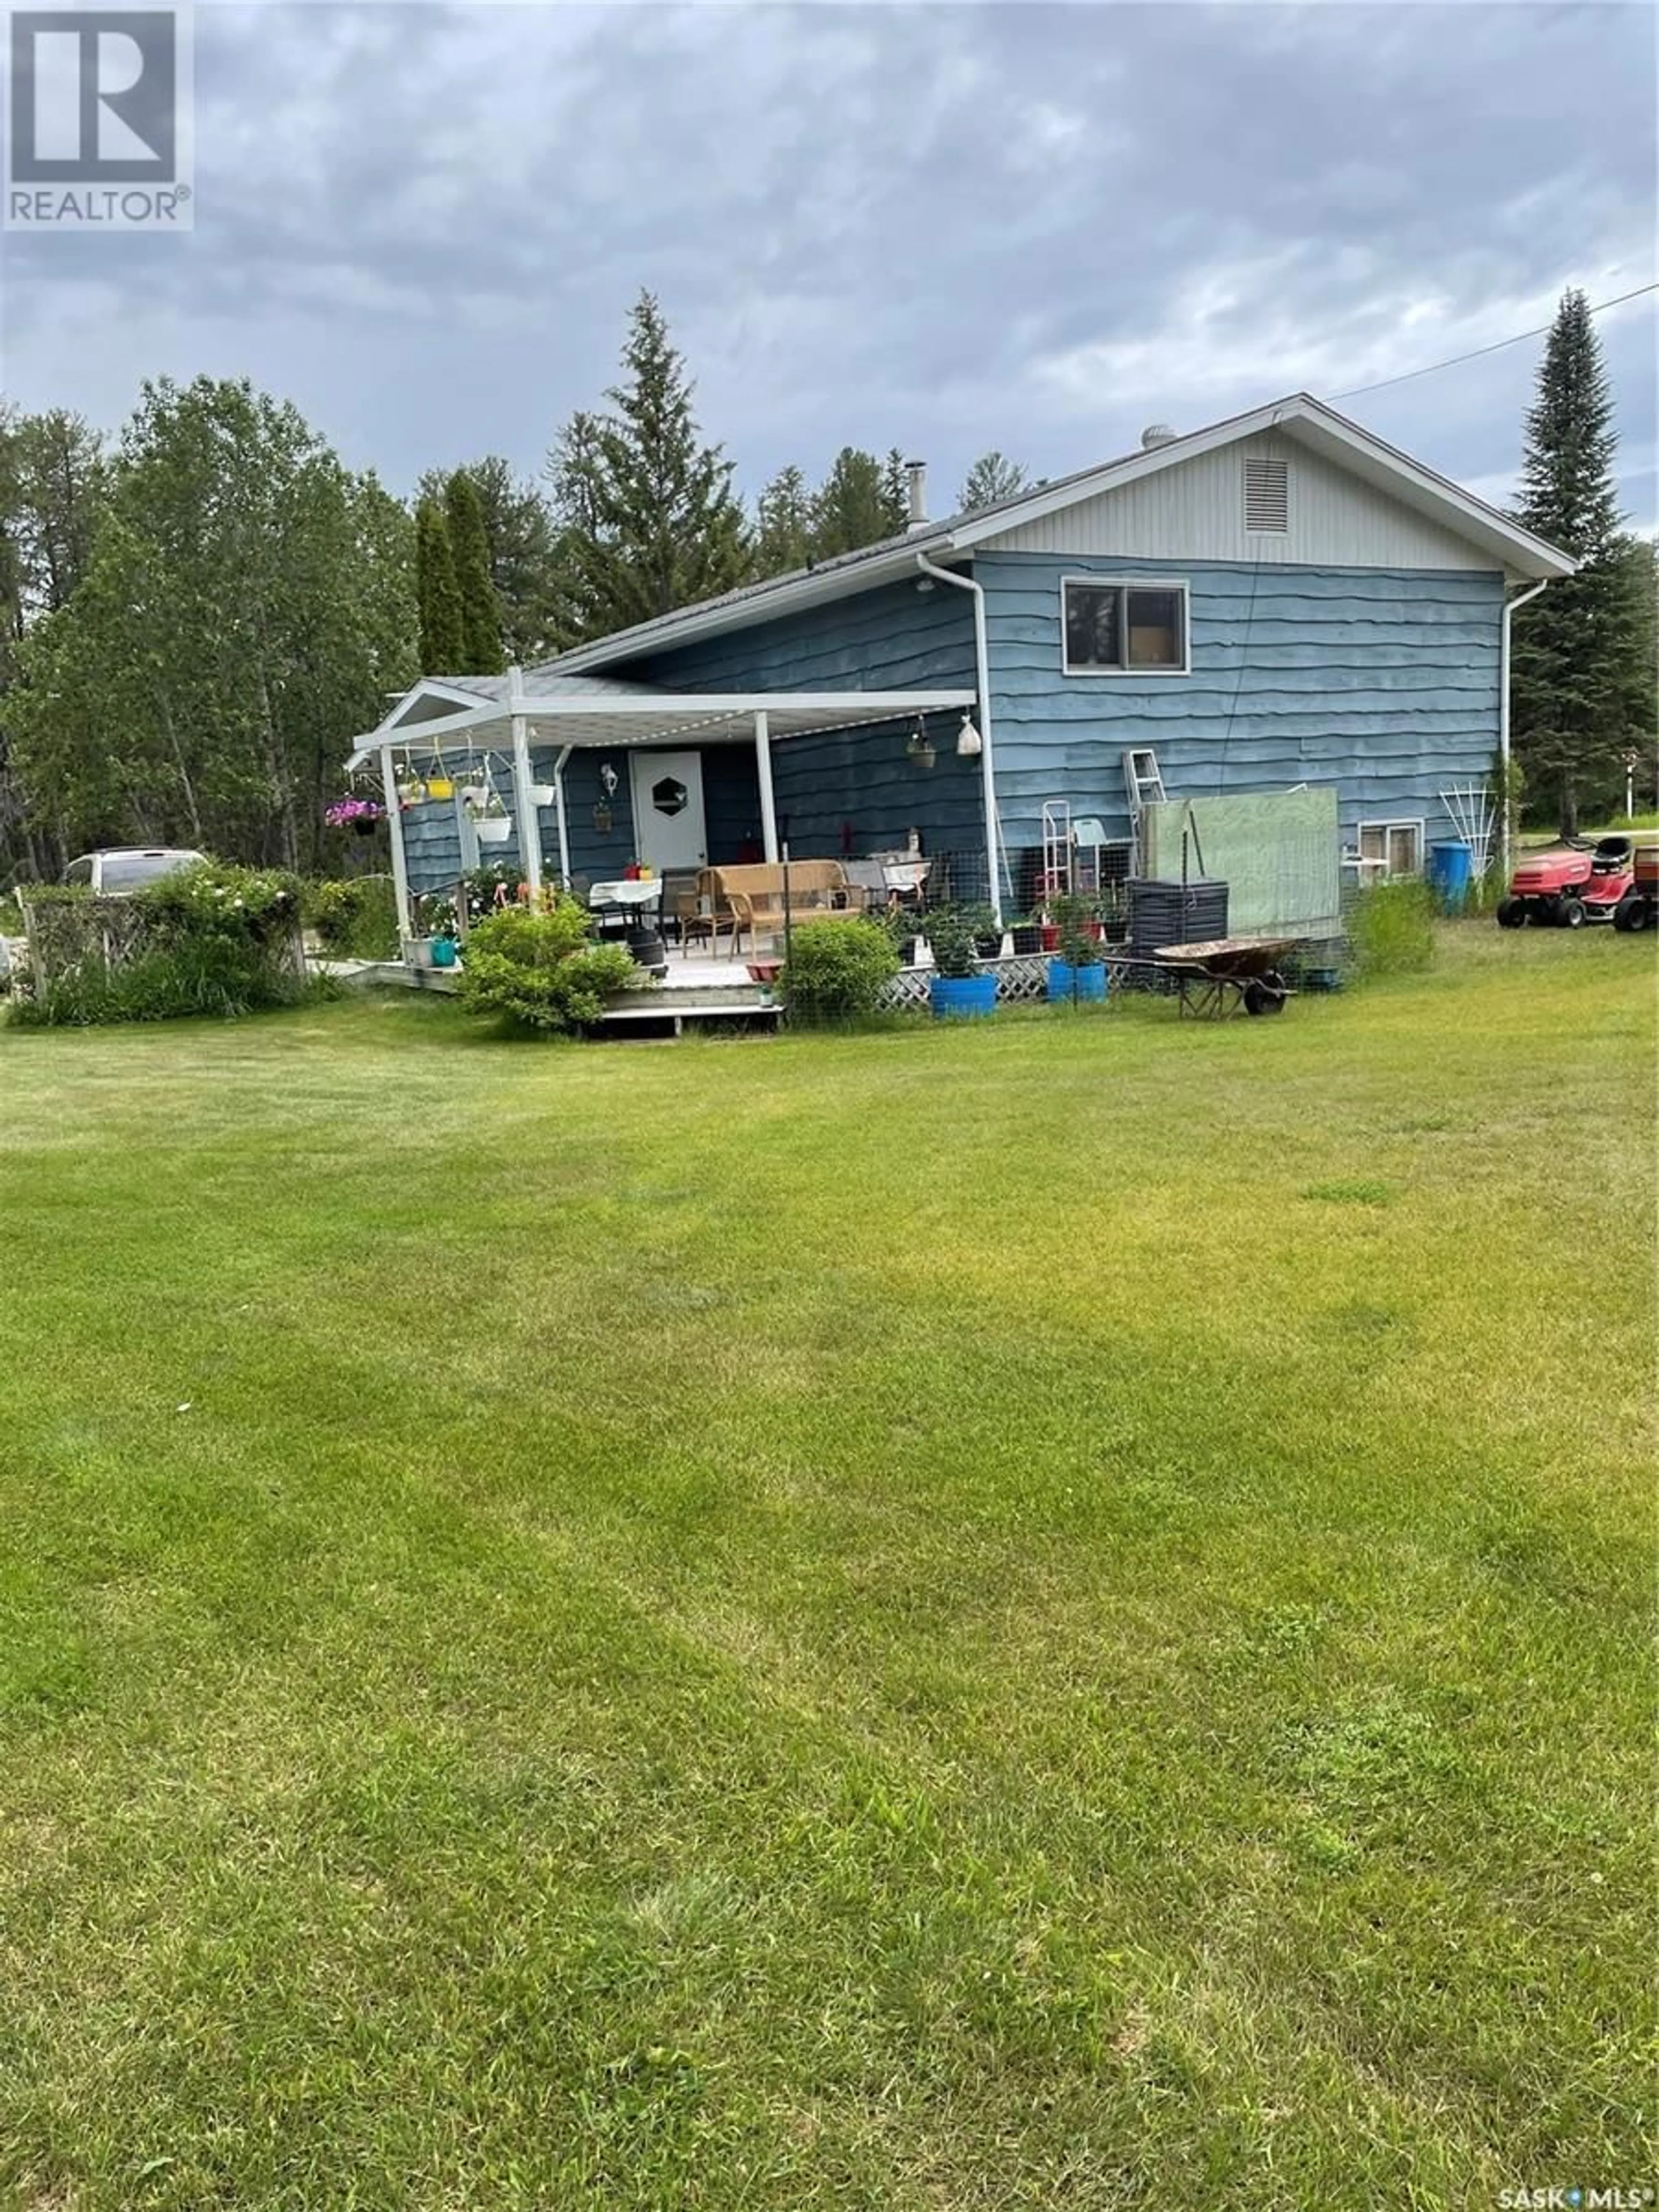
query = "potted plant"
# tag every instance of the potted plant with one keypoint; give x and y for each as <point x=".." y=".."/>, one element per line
<point x="362" y="815"/>
<point x="443" y="929"/>
<point x="986" y="930"/>
<point x="908" y="930"/>
<point x="489" y="819"/>
<point x="960" y="989"/>
<point x="1026" y="936"/>
<point x="1077" y="971"/>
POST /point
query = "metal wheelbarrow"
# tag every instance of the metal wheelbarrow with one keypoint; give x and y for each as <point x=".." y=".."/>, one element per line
<point x="1218" y="978"/>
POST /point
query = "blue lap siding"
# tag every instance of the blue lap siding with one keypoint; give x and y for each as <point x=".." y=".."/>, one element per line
<point x="1384" y="682"/>
<point x="853" y="791"/>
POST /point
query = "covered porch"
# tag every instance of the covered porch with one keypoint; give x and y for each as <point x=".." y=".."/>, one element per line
<point x="592" y="773"/>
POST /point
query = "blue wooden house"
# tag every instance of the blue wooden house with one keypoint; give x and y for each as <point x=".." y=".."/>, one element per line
<point x="1277" y="601"/>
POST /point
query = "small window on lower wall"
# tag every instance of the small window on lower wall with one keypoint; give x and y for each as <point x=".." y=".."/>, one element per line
<point x="1390" y="848"/>
<point x="1117" y="628"/>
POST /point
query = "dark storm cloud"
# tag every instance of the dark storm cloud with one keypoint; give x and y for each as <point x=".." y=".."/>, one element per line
<point x="944" y="228"/>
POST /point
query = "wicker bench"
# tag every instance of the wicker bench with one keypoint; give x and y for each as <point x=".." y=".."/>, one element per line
<point x="753" y="893"/>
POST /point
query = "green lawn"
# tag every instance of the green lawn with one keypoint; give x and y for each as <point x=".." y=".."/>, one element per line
<point x="1049" y="1615"/>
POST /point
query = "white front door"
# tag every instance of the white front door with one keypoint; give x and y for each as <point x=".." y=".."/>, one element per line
<point x="668" y="823"/>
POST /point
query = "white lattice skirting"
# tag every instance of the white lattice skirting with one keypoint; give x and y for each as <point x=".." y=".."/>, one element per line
<point x="1019" y="981"/>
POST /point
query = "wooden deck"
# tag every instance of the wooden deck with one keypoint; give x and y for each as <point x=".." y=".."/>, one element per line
<point x="698" y="991"/>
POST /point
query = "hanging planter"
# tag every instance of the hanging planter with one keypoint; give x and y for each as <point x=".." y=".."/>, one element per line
<point x="362" y="815"/>
<point x="440" y="787"/>
<point x="491" y="820"/>
<point x="541" y="794"/>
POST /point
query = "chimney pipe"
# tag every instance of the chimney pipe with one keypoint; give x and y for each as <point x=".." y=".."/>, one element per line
<point x="916" y="472"/>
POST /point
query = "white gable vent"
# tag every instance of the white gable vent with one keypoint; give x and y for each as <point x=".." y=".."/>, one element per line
<point x="1266" y="494"/>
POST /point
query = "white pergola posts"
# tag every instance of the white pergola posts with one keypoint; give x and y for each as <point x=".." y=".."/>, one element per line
<point x="394" y="815"/>
<point x="530" y="828"/>
<point x="763" y="768"/>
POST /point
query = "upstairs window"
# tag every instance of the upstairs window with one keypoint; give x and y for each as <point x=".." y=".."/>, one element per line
<point x="1115" y="629"/>
<point x="1267" y="496"/>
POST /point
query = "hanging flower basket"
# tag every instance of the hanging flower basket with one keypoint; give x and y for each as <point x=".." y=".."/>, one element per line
<point x="362" y="815"/>
<point x="541" y="794"/>
<point x="440" y="787"/>
<point x="494" y="828"/>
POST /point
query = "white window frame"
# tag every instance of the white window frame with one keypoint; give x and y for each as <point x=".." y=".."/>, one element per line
<point x="1380" y="871"/>
<point x="1109" y="583"/>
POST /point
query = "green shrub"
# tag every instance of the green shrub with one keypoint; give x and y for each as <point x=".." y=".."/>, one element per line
<point x="210" y="940"/>
<point x="1391" y="929"/>
<point x="838" y="970"/>
<point x="356" y="918"/>
<point x="540" y="970"/>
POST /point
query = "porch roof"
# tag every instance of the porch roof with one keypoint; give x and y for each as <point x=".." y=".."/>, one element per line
<point x="442" y="712"/>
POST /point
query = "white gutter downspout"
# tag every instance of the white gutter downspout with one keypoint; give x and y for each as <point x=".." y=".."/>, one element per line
<point x="987" y="752"/>
<point x="564" y="827"/>
<point x="1510" y="606"/>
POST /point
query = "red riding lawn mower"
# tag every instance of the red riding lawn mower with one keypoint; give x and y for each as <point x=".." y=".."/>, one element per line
<point x="1571" y="885"/>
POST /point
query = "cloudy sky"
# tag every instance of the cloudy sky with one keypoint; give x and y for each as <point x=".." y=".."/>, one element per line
<point x="941" y="227"/>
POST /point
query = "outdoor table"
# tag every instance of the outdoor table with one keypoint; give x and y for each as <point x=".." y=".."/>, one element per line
<point x="628" y="909"/>
<point x="627" y="891"/>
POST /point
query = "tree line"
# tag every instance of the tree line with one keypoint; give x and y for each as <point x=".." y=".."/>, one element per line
<point x="194" y="620"/>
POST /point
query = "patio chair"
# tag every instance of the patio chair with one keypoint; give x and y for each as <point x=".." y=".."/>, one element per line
<point x="701" y="911"/>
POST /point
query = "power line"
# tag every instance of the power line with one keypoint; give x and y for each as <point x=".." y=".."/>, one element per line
<point x="1458" y="359"/>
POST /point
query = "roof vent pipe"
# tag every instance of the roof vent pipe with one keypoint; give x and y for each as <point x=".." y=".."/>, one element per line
<point x="1156" y="433"/>
<point x="916" y="473"/>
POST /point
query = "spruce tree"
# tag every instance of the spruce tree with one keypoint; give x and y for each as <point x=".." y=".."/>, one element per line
<point x="1577" y="648"/>
<point x="649" y="520"/>
<point x="783" y="540"/>
<point x="468" y="548"/>
<point x="851" y="507"/>
<point x="994" y="476"/>
<point x="896" y="491"/>
<point x="443" y="640"/>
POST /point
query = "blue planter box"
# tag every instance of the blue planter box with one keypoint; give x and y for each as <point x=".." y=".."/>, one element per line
<point x="1068" y="982"/>
<point x="962" y="998"/>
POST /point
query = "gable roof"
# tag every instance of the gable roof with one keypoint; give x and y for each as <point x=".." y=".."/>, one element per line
<point x="1302" y="417"/>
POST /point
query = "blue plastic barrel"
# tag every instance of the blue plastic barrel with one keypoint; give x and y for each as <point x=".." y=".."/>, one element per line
<point x="1066" y="981"/>
<point x="1452" y="871"/>
<point x="962" y="998"/>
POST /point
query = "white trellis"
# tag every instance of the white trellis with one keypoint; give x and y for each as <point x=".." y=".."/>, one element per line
<point x="1473" y="817"/>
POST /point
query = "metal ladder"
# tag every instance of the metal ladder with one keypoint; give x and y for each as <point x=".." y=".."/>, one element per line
<point x="1142" y="779"/>
<point x="1056" y="848"/>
